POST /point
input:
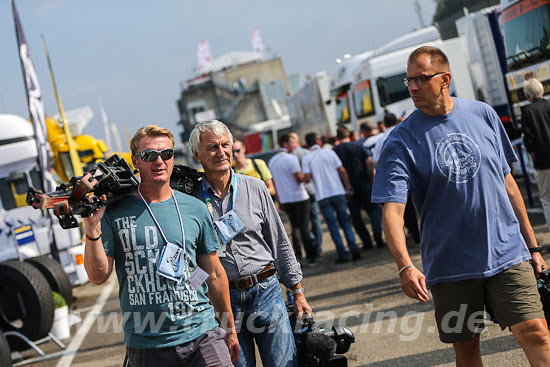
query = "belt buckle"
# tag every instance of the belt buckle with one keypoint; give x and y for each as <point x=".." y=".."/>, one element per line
<point x="255" y="279"/>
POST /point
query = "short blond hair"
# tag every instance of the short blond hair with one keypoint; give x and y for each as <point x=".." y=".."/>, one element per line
<point x="149" y="130"/>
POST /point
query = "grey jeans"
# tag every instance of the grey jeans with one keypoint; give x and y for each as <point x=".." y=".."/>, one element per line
<point x="207" y="350"/>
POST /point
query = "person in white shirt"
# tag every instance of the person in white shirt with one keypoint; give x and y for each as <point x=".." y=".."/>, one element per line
<point x="328" y="173"/>
<point x="294" y="199"/>
<point x="314" y="211"/>
<point x="390" y="121"/>
<point x="369" y="136"/>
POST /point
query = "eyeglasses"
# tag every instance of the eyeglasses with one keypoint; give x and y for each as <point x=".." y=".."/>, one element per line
<point x="420" y="80"/>
<point x="236" y="151"/>
<point x="150" y="155"/>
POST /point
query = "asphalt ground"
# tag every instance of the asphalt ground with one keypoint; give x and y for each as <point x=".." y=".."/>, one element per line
<point x="365" y="295"/>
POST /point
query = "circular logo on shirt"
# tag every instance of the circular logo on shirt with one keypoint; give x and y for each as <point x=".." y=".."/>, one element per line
<point x="458" y="157"/>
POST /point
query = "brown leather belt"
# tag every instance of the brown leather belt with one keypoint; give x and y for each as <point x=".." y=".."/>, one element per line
<point x="252" y="280"/>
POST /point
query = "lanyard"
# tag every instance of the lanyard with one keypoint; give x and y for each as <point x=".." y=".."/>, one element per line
<point x="208" y="201"/>
<point x="158" y="225"/>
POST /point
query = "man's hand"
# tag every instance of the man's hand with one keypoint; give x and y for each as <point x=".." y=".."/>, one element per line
<point x="538" y="263"/>
<point x="413" y="283"/>
<point x="301" y="306"/>
<point x="93" y="221"/>
<point x="233" y="345"/>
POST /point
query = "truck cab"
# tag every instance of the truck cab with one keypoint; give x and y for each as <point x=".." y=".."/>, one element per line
<point x="24" y="231"/>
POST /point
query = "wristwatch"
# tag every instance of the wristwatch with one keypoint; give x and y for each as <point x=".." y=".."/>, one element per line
<point x="535" y="249"/>
<point x="297" y="290"/>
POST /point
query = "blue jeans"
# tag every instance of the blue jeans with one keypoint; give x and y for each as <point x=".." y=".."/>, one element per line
<point x="260" y="315"/>
<point x="328" y="207"/>
<point x="316" y="229"/>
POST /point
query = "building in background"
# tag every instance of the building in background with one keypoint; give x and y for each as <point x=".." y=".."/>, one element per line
<point x="239" y="88"/>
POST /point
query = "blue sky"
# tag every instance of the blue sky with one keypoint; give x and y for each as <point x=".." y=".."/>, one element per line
<point x="134" y="54"/>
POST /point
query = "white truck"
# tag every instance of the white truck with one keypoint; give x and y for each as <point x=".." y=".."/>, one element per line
<point x="369" y="84"/>
<point x="378" y="87"/>
<point x="28" y="274"/>
<point x="341" y="80"/>
<point x="24" y="231"/>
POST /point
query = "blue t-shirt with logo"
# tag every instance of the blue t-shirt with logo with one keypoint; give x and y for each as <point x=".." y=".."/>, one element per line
<point x="157" y="312"/>
<point x="455" y="166"/>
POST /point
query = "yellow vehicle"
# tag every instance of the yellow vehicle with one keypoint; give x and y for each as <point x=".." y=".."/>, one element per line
<point x="90" y="150"/>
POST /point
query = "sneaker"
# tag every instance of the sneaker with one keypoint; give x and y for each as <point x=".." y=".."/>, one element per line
<point x="355" y="255"/>
<point x="321" y="260"/>
<point x="341" y="260"/>
<point x="312" y="263"/>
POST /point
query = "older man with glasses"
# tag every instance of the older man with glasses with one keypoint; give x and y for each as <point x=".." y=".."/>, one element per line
<point x="164" y="247"/>
<point x="478" y="248"/>
<point x="255" y="247"/>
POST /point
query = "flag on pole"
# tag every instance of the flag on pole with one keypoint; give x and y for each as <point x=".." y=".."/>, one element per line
<point x="36" y="107"/>
<point x="256" y="40"/>
<point x="38" y="118"/>
<point x="204" y="57"/>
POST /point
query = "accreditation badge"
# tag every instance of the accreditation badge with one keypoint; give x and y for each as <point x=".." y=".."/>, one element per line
<point x="228" y="226"/>
<point x="171" y="264"/>
<point x="197" y="278"/>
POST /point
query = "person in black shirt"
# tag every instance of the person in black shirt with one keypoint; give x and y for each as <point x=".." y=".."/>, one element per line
<point x="535" y="122"/>
<point x="355" y="160"/>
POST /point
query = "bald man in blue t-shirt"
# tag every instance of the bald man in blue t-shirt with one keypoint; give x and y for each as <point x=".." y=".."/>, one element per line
<point x="476" y="240"/>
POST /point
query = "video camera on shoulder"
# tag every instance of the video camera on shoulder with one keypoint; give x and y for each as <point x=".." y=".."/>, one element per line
<point x="185" y="179"/>
<point x="115" y="179"/>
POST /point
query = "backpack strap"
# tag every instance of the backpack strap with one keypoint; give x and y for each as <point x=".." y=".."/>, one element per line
<point x="257" y="169"/>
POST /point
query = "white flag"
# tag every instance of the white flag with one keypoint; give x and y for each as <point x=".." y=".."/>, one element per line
<point x="256" y="40"/>
<point x="204" y="58"/>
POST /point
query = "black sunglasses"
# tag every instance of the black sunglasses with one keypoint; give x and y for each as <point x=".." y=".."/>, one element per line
<point x="150" y="155"/>
<point x="236" y="150"/>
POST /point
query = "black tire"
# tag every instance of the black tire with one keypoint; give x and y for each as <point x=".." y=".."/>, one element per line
<point x="26" y="302"/>
<point x="5" y="352"/>
<point x="55" y="275"/>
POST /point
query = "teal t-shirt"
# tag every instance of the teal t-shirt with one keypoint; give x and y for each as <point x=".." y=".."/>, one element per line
<point x="157" y="312"/>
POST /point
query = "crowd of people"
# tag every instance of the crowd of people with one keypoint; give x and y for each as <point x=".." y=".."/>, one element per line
<point x="332" y="176"/>
<point x="199" y="274"/>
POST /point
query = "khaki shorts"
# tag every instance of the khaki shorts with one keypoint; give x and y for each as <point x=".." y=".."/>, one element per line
<point x="511" y="294"/>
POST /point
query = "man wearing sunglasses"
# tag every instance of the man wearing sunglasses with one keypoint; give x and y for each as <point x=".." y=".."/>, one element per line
<point x="476" y="240"/>
<point x="163" y="245"/>
<point x="252" y="167"/>
<point x="255" y="248"/>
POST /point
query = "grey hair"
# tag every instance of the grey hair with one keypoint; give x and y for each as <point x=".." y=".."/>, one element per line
<point x="215" y="126"/>
<point x="533" y="89"/>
